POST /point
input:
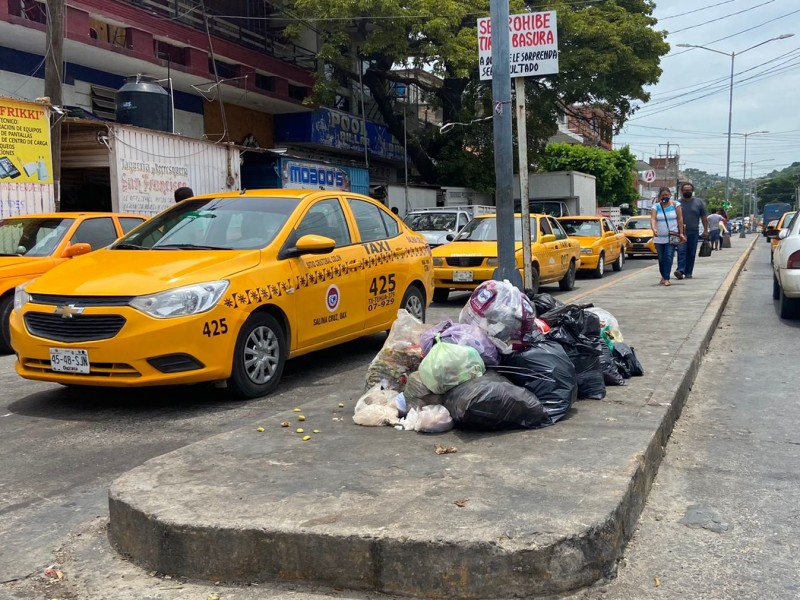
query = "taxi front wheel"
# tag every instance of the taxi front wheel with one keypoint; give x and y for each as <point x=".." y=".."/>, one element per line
<point x="259" y="357"/>
<point x="414" y="303"/>
<point x="6" y="304"/>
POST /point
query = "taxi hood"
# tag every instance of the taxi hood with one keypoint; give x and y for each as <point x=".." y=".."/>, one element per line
<point x="138" y="272"/>
<point x="488" y="249"/>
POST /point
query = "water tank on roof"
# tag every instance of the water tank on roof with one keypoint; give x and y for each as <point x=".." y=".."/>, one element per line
<point x="144" y="103"/>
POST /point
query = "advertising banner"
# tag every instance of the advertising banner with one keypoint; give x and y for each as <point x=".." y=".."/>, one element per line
<point x="300" y="174"/>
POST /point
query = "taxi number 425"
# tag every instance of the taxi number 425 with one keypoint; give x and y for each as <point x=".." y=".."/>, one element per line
<point x="382" y="285"/>
<point x="214" y="328"/>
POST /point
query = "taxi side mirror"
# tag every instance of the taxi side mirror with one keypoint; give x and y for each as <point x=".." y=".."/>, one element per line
<point x="774" y="234"/>
<point x="450" y="237"/>
<point x="608" y="233"/>
<point x="312" y="244"/>
<point x="546" y="239"/>
<point x="76" y="250"/>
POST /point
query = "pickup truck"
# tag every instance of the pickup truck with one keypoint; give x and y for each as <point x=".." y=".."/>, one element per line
<point x="437" y="223"/>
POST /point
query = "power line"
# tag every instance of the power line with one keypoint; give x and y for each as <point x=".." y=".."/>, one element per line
<point x="723" y="17"/>
<point x="696" y="10"/>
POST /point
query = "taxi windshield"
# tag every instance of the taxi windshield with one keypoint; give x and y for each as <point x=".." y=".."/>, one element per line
<point x="432" y="222"/>
<point x="32" y="236"/>
<point x="485" y="230"/>
<point x="581" y="228"/>
<point x="242" y="223"/>
<point x="638" y="224"/>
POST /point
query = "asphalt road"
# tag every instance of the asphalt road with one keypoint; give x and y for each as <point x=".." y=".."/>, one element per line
<point x="723" y="518"/>
<point x="61" y="449"/>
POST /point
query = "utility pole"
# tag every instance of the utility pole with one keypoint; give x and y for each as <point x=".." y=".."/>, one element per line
<point x="53" y="76"/>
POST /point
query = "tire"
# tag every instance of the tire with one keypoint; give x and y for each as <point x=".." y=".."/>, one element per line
<point x="6" y="304"/>
<point x="771" y="257"/>
<point x="787" y="306"/>
<point x="258" y="357"/>
<point x="776" y="288"/>
<point x="620" y="262"/>
<point x="440" y="295"/>
<point x="534" y="279"/>
<point x="597" y="273"/>
<point x="568" y="281"/>
<point x="630" y="255"/>
<point x="414" y="303"/>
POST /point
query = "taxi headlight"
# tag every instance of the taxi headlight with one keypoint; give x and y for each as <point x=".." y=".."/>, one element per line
<point x="182" y="301"/>
<point x="21" y="297"/>
<point x="586" y="250"/>
<point x="438" y="261"/>
<point x="492" y="262"/>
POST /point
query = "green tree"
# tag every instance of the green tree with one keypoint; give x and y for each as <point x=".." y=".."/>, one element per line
<point x="613" y="170"/>
<point x="608" y="52"/>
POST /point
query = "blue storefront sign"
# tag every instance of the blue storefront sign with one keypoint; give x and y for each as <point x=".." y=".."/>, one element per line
<point x="337" y="130"/>
<point x="295" y="173"/>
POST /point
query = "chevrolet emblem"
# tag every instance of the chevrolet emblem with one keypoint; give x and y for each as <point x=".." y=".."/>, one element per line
<point x="67" y="311"/>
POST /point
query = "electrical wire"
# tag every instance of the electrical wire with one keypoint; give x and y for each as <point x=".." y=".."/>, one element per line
<point x="696" y="10"/>
<point x="729" y="15"/>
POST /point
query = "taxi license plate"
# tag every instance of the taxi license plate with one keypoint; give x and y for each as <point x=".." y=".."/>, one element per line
<point x="462" y="276"/>
<point x="68" y="360"/>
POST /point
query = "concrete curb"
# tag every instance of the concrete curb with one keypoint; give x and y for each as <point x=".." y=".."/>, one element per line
<point x="456" y="567"/>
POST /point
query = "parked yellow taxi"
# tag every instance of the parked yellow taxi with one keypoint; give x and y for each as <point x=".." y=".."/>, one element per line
<point x="782" y="223"/>
<point x="33" y="244"/>
<point x="471" y="258"/>
<point x="640" y="236"/>
<point x="601" y="243"/>
<point x="222" y="288"/>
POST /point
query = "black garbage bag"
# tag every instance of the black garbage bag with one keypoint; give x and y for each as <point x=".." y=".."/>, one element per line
<point x="544" y="369"/>
<point x="492" y="402"/>
<point x="572" y="313"/>
<point x="611" y="372"/>
<point x="543" y="302"/>
<point x="575" y="333"/>
<point x="625" y="355"/>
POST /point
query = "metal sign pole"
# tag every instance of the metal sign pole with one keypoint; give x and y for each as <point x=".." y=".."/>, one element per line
<point x="503" y="150"/>
<point x="522" y="146"/>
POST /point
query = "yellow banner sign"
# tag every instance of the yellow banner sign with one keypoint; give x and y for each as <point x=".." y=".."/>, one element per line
<point x="24" y="143"/>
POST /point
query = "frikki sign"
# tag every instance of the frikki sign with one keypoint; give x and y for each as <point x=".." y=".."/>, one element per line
<point x="533" y="42"/>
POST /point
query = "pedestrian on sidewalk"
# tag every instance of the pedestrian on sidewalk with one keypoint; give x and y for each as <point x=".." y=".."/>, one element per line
<point x="666" y="222"/>
<point x="714" y="220"/>
<point x="693" y="211"/>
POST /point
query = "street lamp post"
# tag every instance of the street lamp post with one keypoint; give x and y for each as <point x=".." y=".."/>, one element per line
<point x="744" y="176"/>
<point x="732" y="56"/>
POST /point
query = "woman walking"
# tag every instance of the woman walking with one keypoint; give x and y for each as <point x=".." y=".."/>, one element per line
<point x="666" y="222"/>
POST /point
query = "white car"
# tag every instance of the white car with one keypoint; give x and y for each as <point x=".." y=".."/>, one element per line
<point x="786" y="269"/>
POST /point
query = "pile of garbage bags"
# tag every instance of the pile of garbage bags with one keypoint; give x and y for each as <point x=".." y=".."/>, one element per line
<point x="511" y="361"/>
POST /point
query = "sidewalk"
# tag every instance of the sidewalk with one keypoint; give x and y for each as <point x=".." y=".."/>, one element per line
<point x="509" y="514"/>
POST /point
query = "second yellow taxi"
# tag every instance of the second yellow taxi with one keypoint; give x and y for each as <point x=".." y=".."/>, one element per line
<point x="601" y="243"/>
<point x="222" y="288"/>
<point x="781" y="224"/>
<point x="640" y="236"/>
<point x="471" y="258"/>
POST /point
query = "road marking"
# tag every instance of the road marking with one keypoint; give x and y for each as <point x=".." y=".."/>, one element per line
<point x="616" y="280"/>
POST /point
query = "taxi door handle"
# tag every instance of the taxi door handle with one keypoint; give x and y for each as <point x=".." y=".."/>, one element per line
<point x="355" y="263"/>
<point x="399" y="252"/>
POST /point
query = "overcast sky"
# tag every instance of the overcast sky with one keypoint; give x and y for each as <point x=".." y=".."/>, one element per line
<point x="689" y="105"/>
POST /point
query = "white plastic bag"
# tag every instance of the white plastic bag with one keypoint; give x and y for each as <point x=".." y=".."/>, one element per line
<point x="500" y="309"/>
<point x="429" y="419"/>
<point x="401" y="352"/>
<point x="377" y="407"/>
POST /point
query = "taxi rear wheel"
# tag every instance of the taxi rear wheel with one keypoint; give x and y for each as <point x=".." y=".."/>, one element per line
<point x="776" y="288"/>
<point x="598" y="271"/>
<point x="568" y="281"/>
<point x="6" y="304"/>
<point x="534" y="279"/>
<point x="617" y="266"/>
<point x="414" y="303"/>
<point x="259" y="357"/>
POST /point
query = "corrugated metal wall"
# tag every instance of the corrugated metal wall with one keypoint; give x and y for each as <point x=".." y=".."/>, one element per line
<point x="359" y="180"/>
<point x="148" y="166"/>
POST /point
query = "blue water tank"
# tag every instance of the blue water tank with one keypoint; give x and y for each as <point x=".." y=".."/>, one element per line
<point x="144" y="103"/>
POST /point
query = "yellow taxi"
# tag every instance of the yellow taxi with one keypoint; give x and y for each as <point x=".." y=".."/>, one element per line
<point x="471" y="258"/>
<point x="782" y="222"/>
<point x="601" y="243"/>
<point x="222" y="288"/>
<point x="640" y="236"/>
<point x="33" y="244"/>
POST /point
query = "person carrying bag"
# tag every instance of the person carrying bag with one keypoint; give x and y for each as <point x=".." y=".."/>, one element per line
<point x="666" y="221"/>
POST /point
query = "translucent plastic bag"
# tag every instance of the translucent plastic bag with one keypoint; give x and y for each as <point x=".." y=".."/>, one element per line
<point x="500" y="309"/>
<point x="429" y="419"/>
<point x="377" y="407"/>
<point x="417" y="394"/>
<point x="401" y="352"/>
<point x="462" y="334"/>
<point x="447" y="365"/>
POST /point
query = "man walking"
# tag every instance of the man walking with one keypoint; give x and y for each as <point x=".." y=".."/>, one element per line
<point x="694" y="211"/>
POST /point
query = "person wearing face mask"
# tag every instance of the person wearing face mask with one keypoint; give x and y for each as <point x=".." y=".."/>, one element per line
<point x="694" y="211"/>
<point x="666" y="221"/>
